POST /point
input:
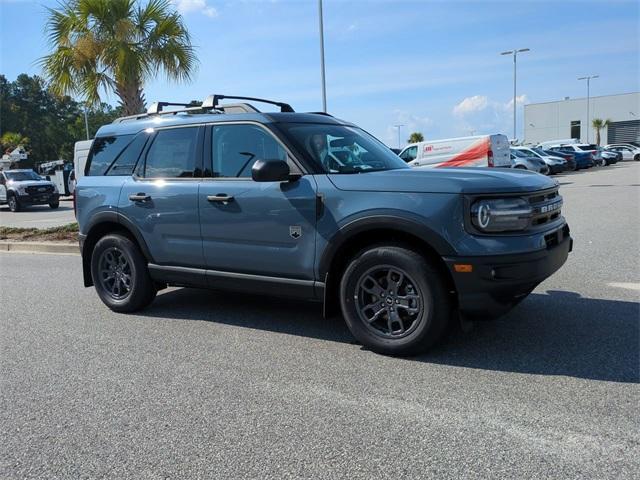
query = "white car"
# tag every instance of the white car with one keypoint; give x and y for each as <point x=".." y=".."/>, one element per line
<point x="476" y="151"/>
<point x="628" y="151"/>
<point x="556" y="164"/>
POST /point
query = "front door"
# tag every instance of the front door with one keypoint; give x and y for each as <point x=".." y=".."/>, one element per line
<point x="161" y="199"/>
<point x="253" y="227"/>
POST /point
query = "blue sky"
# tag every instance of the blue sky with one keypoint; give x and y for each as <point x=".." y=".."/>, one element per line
<point x="431" y="65"/>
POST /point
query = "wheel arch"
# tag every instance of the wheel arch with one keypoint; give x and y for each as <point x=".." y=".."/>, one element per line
<point x="376" y="231"/>
<point x="103" y="224"/>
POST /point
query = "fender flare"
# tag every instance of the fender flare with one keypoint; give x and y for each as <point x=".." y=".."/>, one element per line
<point x="387" y="221"/>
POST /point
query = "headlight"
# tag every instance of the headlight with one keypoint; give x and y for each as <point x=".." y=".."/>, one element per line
<point x="21" y="190"/>
<point x="501" y="214"/>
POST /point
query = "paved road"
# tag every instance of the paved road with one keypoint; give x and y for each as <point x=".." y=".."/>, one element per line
<point x="210" y="385"/>
<point x="38" y="216"/>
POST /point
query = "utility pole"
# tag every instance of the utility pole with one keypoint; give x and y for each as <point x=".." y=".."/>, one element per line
<point x="588" y="78"/>
<point x="399" y="127"/>
<point x="322" y="79"/>
<point x="514" y="52"/>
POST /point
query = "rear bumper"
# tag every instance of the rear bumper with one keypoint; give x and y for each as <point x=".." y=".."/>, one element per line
<point x="498" y="282"/>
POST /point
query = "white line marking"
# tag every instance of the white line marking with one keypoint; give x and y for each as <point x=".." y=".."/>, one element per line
<point x="628" y="286"/>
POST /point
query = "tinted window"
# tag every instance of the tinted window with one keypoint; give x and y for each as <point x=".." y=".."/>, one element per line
<point x="575" y="129"/>
<point x="126" y="161"/>
<point x="235" y="148"/>
<point x="172" y="154"/>
<point x="103" y="152"/>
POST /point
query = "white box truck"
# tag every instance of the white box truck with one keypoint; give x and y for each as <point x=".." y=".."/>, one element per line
<point x="476" y="151"/>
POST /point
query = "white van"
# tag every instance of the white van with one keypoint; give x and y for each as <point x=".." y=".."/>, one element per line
<point x="80" y="154"/>
<point x="476" y="151"/>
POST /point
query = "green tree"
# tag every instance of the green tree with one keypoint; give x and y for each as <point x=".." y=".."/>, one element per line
<point x="10" y="140"/>
<point x="416" y="137"/>
<point x="116" y="45"/>
<point x="598" y="124"/>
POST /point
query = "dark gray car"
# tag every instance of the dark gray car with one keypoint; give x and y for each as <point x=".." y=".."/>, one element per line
<point x="309" y="206"/>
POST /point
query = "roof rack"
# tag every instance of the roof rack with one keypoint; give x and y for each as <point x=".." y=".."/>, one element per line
<point x="210" y="104"/>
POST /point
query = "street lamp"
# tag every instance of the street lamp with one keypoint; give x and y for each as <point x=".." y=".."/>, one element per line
<point x="515" y="55"/>
<point x="398" y="127"/>
<point x="324" y="87"/>
<point x="588" y="78"/>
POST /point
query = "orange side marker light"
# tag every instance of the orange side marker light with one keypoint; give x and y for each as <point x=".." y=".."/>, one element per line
<point x="463" y="267"/>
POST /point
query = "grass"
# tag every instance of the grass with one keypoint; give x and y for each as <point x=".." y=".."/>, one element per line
<point x="65" y="233"/>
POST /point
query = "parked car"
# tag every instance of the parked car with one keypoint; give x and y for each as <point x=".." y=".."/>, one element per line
<point x="609" y="157"/>
<point x="583" y="159"/>
<point x="233" y="198"/>
<point x="20" y="188"/>
<point x="525" y="160"/>
<point x="476" y="151"/>
<point x="570" y="158"/>
<point x="628" y="151"/>
<point x="555" y="163"/>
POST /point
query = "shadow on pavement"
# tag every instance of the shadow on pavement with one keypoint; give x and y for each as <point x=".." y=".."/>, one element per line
<point x="560" y="333"/>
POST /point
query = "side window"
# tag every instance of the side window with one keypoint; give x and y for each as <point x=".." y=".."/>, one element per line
<point x="172" y="154"/>
<point x="410" y="154"/>
<point x="235" y="148"/>
<point x="126" y="161"/>
<point x="103" y="152"/>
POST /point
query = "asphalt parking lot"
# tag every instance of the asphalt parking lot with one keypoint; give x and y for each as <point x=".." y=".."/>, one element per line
<point x="211" y="385"/>
<point x="38" y="216"/>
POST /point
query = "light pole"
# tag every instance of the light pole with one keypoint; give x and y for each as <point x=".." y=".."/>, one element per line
<point x="324" y="87"/>
<point x="588" y="78"/>
<point x="514" y="52"/>
<point x="399" y="127"/>
<point x="86" y="121"/>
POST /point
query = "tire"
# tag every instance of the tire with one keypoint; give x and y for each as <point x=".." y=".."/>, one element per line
<point x="14" y="203"/>
<point x="54" y="205"/>
<point x="404" y="324"/>
<point x="521" y="167"/>
<point x="129" y="287"/>
<point x="637" y="158"/>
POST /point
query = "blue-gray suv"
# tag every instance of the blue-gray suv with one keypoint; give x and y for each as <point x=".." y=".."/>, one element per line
<point x="304" y="205"/>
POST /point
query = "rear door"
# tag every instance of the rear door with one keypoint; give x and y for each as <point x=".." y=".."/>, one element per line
<point x="161" y="198"/>
<point x="259" y="228"/>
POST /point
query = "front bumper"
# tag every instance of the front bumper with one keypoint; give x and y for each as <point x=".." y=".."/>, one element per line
<point x="498" y="282"/>
<point x="39" y="199"/>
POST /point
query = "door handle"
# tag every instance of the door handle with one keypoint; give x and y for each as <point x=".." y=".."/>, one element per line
<point x="139" y="197"/>
<point x="221" y="197"/>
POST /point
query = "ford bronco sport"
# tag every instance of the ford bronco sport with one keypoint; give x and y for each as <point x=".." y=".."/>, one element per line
<point x="305" y="205"/>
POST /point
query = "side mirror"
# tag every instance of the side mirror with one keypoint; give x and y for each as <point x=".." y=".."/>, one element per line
<point x="270" y="171"/>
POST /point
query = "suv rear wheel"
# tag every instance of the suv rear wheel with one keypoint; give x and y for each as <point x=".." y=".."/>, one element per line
<point x="394" y="301"/>
<point x="120" y="274"/>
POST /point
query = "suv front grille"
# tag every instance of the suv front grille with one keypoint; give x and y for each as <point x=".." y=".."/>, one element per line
<point x="38" y="189"/>
<point x="547" y="207"/>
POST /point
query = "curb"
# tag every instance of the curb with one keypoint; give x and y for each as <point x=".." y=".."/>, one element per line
<point x="39" y="247"/>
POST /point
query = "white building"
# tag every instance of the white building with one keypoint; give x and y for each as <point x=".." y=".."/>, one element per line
<point x="568" y="119"/>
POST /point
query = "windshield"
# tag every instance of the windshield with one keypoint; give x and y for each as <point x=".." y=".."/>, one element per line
<point x="540" y="151"/>
<point x="525" y="154"/>
<point x="342" y="149"/>
<point x="22" y="176"/>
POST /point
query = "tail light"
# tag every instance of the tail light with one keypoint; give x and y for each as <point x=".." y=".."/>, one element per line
<point x="490" y="157"/>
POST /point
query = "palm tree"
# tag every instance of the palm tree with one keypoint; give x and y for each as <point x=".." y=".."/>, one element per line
<point x="415" y="137"/>
<point x="598" y="124"/>
<point x="116" y="45"/>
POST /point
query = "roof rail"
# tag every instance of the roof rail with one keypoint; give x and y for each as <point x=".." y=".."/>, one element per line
<point x="211" y="102"/>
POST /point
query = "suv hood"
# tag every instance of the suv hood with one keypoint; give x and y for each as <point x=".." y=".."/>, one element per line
<point x="30" y="183"/>
<point x="444" y="180"/>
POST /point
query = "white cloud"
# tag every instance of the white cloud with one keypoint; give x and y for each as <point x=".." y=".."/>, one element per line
<point x="469" y="105"/>
<point x="481" y="115"/>
<point x="195" y="6"/>
<point x="410" y="123"/>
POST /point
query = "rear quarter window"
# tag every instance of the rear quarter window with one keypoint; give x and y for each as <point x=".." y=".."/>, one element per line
<point x="103" y="153"/>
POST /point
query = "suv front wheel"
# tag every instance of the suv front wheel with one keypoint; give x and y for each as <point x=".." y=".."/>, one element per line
<point x="394" y="301"/>
<point x="120" y="274"/>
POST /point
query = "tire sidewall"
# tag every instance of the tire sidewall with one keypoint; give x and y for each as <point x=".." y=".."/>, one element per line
<point x="12" y="201"/>
<point x="139" y="295"/>
<point x="425" y="281"/>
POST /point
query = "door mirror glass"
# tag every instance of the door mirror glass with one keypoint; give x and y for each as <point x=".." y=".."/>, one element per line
<point x="270" y="171"/>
